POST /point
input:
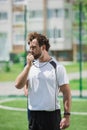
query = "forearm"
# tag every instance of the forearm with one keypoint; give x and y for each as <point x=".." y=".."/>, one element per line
<point x="65" y="89"/>
<point x="26" y="88"/>
<point x="67" y="101"/>
<point x="22" y="78"/>
<point x="65" y="122"/>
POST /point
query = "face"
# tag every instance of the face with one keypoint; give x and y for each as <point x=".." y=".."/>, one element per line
<point x="35" y="49"/>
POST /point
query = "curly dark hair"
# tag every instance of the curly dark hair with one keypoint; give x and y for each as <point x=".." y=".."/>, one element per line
<point x="42" y="39"/>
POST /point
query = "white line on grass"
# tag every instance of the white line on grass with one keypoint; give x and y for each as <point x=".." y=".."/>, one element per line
<point x="7" y="100"/>
<point x="12" y="108"/>
<point x="23" y="109"/>
<point x="79" y="99"/>
<point x="79" y="113"/>
<point x="11" y="99"/>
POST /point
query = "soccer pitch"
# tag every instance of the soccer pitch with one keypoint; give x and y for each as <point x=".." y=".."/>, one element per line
<point x="13" y="114"/>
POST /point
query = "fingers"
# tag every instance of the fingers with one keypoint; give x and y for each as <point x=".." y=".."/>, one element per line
<point x="26" y="92"/>
<point x="64" y="124"/>
<point x="30" y="58"/>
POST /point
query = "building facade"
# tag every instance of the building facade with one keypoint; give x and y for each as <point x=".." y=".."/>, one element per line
<point x="53" y="18"/>
<point x="50" y="17"/>
<point x="5" y="29"/>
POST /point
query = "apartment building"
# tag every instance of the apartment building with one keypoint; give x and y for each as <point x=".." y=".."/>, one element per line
<point x="5" y="29"/>
<point x="50" y="17"/>
<point x="53" y="18"/>
<point x="18" y="11"/>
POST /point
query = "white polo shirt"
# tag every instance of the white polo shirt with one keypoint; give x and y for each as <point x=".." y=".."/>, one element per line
<point x="44" y="81"/>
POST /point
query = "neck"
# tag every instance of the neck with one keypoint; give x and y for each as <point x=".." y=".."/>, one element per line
<point x="44" y="57"/>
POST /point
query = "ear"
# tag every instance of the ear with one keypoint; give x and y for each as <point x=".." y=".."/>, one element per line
<point x="44" y="47"/>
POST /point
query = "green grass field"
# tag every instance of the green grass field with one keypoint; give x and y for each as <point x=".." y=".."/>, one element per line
<point x="17" y="120"/>
<point x="13" y="114"/>
<point x="74" y="84"/>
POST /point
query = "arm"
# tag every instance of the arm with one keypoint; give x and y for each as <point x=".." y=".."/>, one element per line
<point x="26" y="89"/>
<point x="65" y="89"/>
<point x="22" y="77"/>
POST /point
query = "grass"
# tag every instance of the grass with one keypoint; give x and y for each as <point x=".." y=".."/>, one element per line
<point x="75" y="67"/>
<point x="14" y="120"/>
<point x="17" y="120"/>
<point x="13" y="103"/>
<point x="15" y="69"/>
<point x="74" y="84"/>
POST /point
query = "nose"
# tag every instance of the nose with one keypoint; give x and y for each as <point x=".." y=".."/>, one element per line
<point x="31" y="51"/>
<point x="31" y="48"/>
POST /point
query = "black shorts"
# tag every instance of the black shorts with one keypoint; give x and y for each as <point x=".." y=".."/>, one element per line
<point x="44" y="120"/>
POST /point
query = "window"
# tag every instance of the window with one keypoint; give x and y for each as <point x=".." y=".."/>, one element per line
<point x="50" y="13"/>
<point x="54" y="33"/>
<point x="59" y="12"/>
<point x="50" y="33"/>
<point x="35" y="14"/>
<point x="3" y="0"/>
<point x="3" y="45"/>
<point x="57" y="33"/>
<point x="3" y="16"/>
<point x="18" y="38"/>
<point x="19" y="0"/>
<point x="3" y="37"/>
<point x="66" y="13"/>
<point x="19" y="17"/>
<point x="64" y="55"/>
<point x="54" y="13"/>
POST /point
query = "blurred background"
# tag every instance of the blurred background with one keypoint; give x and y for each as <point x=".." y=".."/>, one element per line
<point x="63" y="21"/>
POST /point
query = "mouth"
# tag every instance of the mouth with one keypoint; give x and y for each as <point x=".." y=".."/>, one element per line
<point x="29" y="52"/>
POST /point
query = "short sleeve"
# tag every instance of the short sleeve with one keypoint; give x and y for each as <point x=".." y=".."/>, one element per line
<point x="62" y="77"/>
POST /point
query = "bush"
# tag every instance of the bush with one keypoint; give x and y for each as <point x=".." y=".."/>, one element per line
<point x="7" y="67"/>
<point x="15" y="58"/>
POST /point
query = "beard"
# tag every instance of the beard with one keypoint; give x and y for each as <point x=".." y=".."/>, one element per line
<point x="36" y="56"/>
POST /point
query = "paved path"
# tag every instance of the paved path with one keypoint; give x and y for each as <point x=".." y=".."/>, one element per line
<point x="76" y="75"/>
<point x="8" y="88"/>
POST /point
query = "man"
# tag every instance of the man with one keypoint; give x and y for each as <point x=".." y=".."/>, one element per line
<point x="44" y="77"/>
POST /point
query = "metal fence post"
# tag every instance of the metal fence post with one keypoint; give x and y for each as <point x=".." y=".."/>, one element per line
<point x="80" y="47"/>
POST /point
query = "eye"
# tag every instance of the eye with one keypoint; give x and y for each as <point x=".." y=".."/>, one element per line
<point x="33" y="47"/>
<point x="28" y="43"/>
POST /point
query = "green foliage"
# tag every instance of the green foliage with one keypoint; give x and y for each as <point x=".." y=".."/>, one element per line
<point x="23" y="54"/>
<point x="77" y="17"/>
<point x="15" y="58"/>
<point x="7" y="67"/>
